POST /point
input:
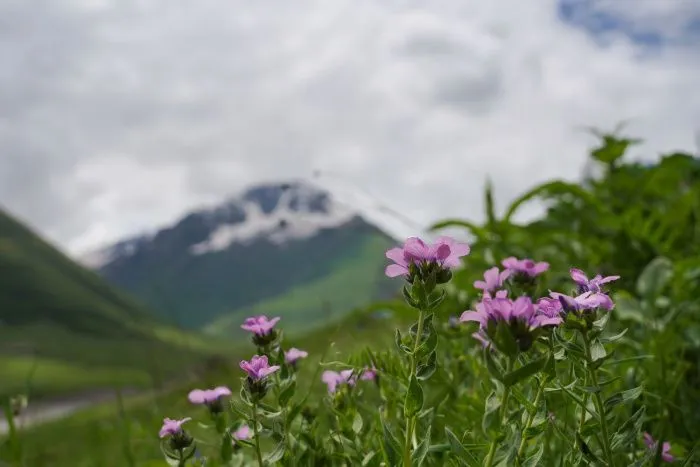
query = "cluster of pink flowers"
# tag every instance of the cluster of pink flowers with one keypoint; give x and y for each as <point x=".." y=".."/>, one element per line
<point x="445" y="253"/>
<point x="334" y="379"/>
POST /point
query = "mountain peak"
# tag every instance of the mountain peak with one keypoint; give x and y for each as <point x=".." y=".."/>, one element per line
<point x="276" y="211"/>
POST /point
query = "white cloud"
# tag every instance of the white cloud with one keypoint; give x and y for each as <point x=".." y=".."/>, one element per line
<point x="121" y="114"/>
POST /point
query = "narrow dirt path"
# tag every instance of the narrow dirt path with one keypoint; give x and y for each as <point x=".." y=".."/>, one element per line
<point x="49" y="410"/>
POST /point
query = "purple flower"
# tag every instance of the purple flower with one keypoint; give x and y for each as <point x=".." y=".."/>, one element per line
<point x="259" y="325"/>
<point x="583" y="302"/>
<point x="243" y="432"/>
<point x="502" y="309"/>
<point x="499" y="294"/>
<point x="550" y="307"/>
<point x="665" y="448"/>
<point x="334" y="379"/>
<point x="525" y="267"/>
<point x="258" y="367"/>
<point x="493" y="279"/>
<point x="208" y="396"/>
<point x="369" y="374"/>
<point x="293" y="354"/>
<point x="172" y="427"/>
<point x="445" y="252"/>
<point x="592" y="285"/>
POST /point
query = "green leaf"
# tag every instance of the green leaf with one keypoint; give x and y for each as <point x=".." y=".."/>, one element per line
<point x="458" y="449"/>
<point x="597" y="351"/>
<point x="430" y="344"/>
<point x="418" y="456"/>
<point x="368" y="458"/>
<point x="505" y="341"/>
<point x="426" y="370"/>
<point x="534" y="459"/>
<point x="436" y="298"/>
<point x="398" y="340"/>
<point x="492" y="365"/>
<point x="357" y="423"/>
<point x="226" y="447"/>
<point x="524" y="372"/>
<point x="491" y="420"/>
<point x="409" y="298"/>
<point x="586" y="451"/>
<point x="612" y="148"/>
<point x="622" y="397"/>
<point x="615" y="338"/>
<point x="287" y="393"/>
<point x="276" y="454"/>
<point x="391" y="446"/>
<point x="655" y="276"/>
<point x="414" y="398"/>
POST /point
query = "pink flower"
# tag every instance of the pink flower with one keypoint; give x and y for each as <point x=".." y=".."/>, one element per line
<point x="243" y="432"/>
<point x="334" y="379"/>
<point x="369" y="374"/>
<point x="665" y="447"/>
<point x="258" y="367"/>
<point x="550" y="307"/>
<point x="493" y="279"/>
<point x="293" y="354"/>
<point x="172" y="427"/>
<point x="585" y="301"/>
<point x="502" y="309"/>
<point x="592" y="285"/>
<point x="208" y="396"/>
<point x="499" y="294"/>
<point x="259" y="325"/>
<point x="445" y="252"/>
<point x="524" y="266"/>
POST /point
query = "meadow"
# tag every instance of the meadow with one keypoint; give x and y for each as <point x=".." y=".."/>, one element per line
<point x="581" y="347"/>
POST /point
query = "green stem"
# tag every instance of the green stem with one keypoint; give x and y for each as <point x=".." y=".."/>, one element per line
<point x="530" y="419"/>
<point x="488" y="462"/>
<point x="181" y="458"/>
<point x="258" y="454"/>
<point x="582" y="419"/>
<point x="411" y="421"/>
<point x="600" y="408"/>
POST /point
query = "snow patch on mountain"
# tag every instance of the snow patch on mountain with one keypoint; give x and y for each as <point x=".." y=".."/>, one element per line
<point x="296" y="216"/>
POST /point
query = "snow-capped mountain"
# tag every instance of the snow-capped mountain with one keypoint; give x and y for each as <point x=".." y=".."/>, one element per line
<point x="270" y="241"/>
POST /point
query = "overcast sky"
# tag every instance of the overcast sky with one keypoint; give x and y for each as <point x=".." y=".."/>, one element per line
<point x="120" y="115"/>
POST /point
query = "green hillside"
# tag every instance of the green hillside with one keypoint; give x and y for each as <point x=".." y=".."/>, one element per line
<point x="355" y="280"/>
<point x="64" y="329"/>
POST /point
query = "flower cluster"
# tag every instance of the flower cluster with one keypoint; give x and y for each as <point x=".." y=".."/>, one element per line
<point x="417" y="259"/>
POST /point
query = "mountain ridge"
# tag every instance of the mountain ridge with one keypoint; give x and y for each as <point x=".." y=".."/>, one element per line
<point x="259" y="245"/>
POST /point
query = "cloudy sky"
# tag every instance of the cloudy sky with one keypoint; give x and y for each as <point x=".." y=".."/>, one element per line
<point x="120" y="115"/>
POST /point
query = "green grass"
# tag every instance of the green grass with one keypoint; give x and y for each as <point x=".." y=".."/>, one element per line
<point x="100" y="436"/>
<point x="355" y="282"/>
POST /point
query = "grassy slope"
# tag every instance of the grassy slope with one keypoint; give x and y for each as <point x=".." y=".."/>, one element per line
<point x="100" y="436"/>
<point x="64" y="329"/>
<point x="355" y="281"/>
